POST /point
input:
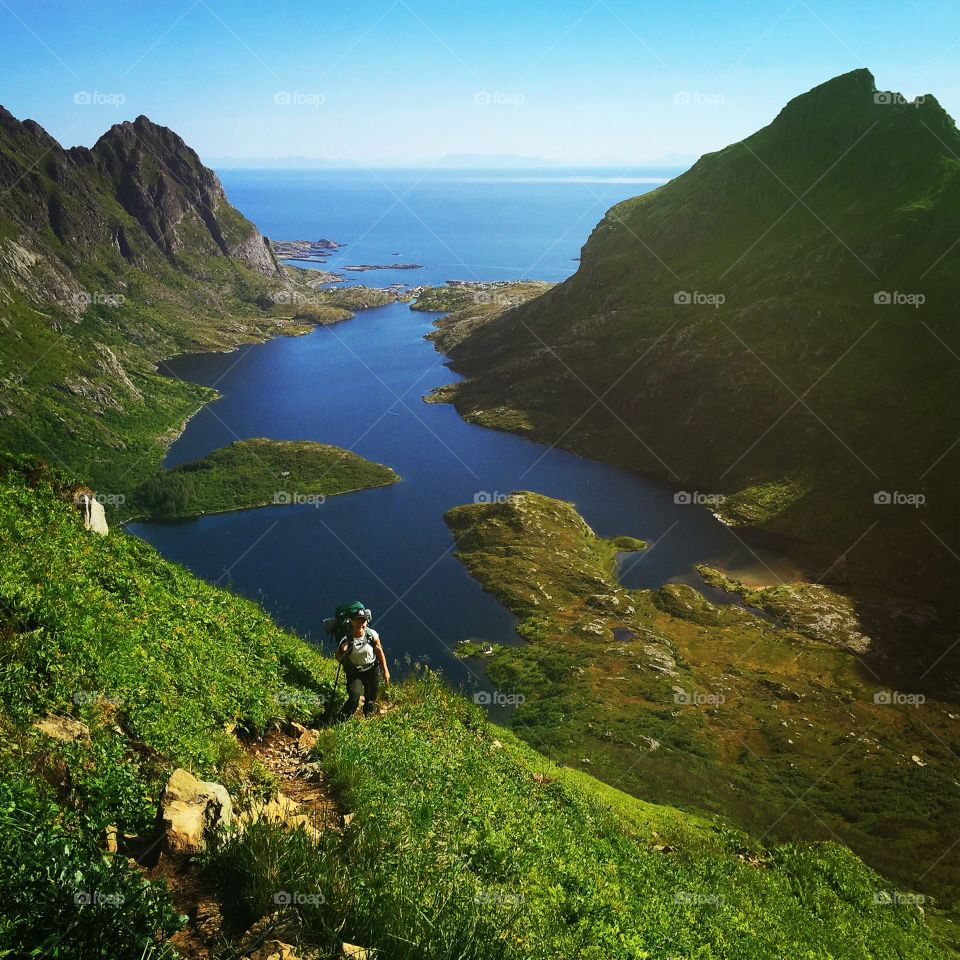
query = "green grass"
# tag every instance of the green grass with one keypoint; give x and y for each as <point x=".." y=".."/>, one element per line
<point x="159" y="665"/>
<point x="776" y="727"/>
<point x="464" y="844"/>
<point x="452" y="814"/>
<point x="96" y="626"/>
<point x="258" y="472"/>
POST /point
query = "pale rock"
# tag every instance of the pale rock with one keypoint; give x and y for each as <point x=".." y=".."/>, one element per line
<point x="350" y="951"/>
<point x="65" y="729"/>
<point x="281" y="809"/>
<point x="91" y="509"/>
<point x="274" y="950"/>
<point x="188" y="808"/>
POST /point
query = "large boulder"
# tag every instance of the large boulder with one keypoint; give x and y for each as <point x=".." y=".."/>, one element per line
<point x="91" y="509"/>
<point x="189" y="808"/>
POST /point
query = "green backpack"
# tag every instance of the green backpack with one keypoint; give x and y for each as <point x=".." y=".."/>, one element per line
<point x="338" y="626"/>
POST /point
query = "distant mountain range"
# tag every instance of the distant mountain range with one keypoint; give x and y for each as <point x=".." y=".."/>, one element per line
<point x="776" y="328"/>
<point x="452" y="161"/>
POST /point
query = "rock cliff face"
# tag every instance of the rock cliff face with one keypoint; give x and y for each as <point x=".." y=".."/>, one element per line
<point x="111" y="258"/>
<point x="140" y="191"/>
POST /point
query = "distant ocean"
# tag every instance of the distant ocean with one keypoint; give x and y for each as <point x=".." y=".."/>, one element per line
<point x="459" y="224"/>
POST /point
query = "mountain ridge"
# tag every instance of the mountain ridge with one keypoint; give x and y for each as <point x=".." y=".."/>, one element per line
<point x="111" y="258"/>
<point x="775" y="325"/>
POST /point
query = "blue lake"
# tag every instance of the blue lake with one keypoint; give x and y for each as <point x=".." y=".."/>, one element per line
<point x="359" y="385"/>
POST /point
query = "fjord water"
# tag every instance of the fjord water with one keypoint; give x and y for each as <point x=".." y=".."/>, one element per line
<point x="359" y="385"/>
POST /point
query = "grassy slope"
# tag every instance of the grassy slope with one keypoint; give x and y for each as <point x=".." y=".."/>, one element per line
<point x="157" y="663"/>
<point x="459" y="828"/>
<point x="773" y="729"/>
<point x="709" y="395"/>
<point x="257" y="472"/>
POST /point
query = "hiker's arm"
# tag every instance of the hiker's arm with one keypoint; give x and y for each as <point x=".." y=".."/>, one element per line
<point x="341" y="652"/>
<point x="378" y="650"/>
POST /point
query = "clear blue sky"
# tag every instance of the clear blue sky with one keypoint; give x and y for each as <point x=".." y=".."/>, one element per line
<point x="406" y="81"/>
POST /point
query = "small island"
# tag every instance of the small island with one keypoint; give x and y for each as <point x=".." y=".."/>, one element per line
<point x="258" y="473"/>
<point x="304" y="249"/>
<point x="364" y="267"/>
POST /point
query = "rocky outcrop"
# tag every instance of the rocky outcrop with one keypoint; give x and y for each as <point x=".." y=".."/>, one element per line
<point x="64" y="729"/>
<point x="109" y="364"/>
<point x="96" y="518"/>
<point x="189" y="808"/>
<point x="281" y="809"/>
<point x="350" y="951"/>
<point x="256" y="251"/>
<point x="179" y="203"/>
<point x="91" y="510"/>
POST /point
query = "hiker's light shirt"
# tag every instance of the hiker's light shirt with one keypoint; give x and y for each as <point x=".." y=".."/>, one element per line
<point x="360" y="654"/>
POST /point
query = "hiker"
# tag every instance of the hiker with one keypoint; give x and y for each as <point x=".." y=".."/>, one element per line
<point x="360" y="654"/>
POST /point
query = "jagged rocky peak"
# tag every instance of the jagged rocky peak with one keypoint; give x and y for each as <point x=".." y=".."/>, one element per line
<point x="178" y="206"/>
<point x="163" y="184"/>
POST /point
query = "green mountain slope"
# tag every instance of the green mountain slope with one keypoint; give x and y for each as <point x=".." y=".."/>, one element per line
<point x="672" y="698"/>
<point x="464" y="843"/>
<point x="731" y="330"/>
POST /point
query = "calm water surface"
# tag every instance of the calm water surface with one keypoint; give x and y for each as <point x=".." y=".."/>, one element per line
<point x="359" y="385"/>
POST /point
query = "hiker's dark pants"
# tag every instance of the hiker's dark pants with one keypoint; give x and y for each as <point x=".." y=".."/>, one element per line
<point x="366" y="682"/>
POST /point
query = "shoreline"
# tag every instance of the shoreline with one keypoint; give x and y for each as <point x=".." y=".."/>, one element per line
<point x="187" y="517"/>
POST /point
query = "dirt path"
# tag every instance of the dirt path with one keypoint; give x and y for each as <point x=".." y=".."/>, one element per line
<point x="285" y="754"/>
